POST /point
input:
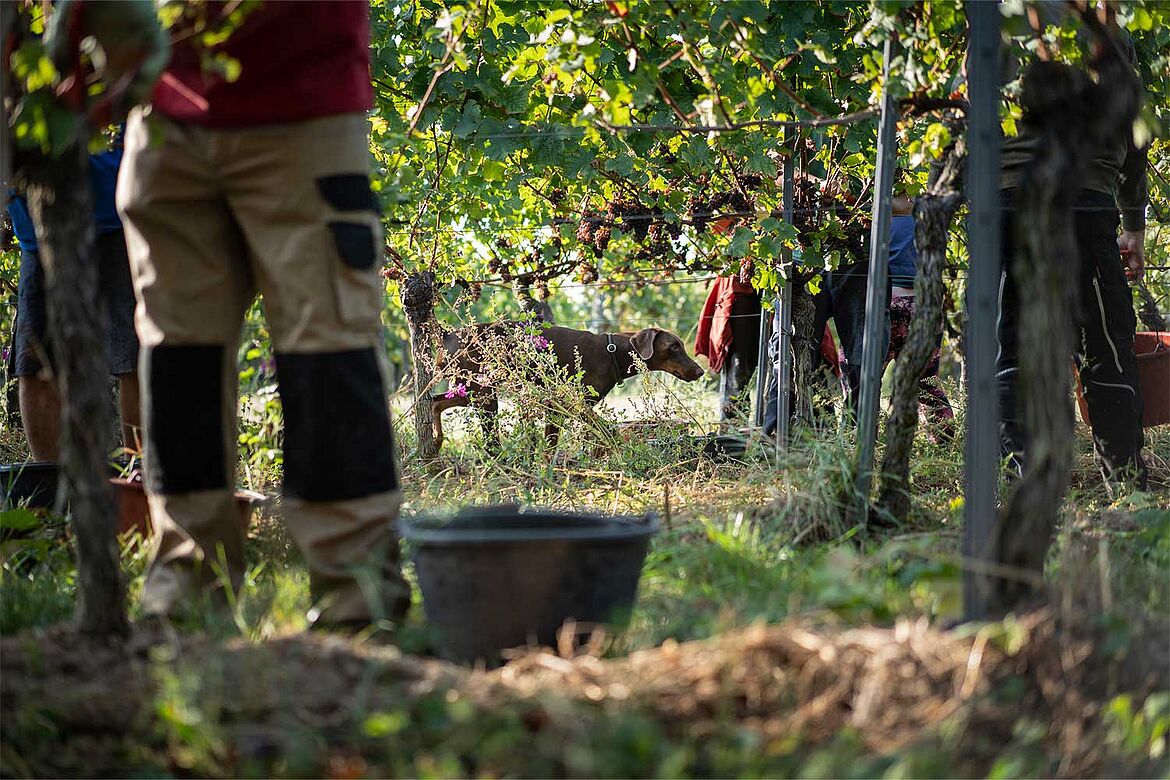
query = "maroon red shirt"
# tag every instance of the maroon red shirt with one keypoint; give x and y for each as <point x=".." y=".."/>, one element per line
<point x="298" y="59"/>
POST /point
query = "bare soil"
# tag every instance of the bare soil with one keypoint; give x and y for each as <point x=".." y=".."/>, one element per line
<point x="325" y="705"/>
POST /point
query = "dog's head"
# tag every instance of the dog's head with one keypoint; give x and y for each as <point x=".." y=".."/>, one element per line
<point x="664" y="351"/>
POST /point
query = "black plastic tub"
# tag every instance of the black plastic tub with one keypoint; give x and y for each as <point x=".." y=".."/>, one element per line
<point x="499" y="577"/>
<point x="722" y="447"/>
<point x="32" y="484"/>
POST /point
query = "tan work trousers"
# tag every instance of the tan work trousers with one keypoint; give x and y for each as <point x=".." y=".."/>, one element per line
<point x="212" y="216"/>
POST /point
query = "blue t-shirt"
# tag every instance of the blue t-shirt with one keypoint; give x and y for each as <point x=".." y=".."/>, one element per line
<point x="903" y="258"/>
<point x="22" y="224"/>
<point x="103" y="179"/>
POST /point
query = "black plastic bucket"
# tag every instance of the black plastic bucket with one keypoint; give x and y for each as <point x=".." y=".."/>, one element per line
<point x="722" y="447"/>
<point x="498" y="577"/>
<point x="32" y="484"/>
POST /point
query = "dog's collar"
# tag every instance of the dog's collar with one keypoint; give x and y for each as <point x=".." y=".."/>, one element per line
<point x="611" y="348"/>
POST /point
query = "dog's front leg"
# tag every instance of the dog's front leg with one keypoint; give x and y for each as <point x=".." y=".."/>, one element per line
<point x="437" y="408"/>
<point x="553" y="422"/>
<point x="487" y="405"/>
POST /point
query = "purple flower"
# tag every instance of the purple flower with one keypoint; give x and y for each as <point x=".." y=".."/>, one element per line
<point x="459" y="390"/>
<point x="541" y="342"/>
<point x="4" y="354"/>
<point x="267" y="367"/>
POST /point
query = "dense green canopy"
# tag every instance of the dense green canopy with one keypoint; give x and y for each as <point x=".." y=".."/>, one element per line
<point x="523" y="137"/>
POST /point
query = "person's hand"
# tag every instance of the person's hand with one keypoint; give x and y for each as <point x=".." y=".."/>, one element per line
<point x="1132" y="244"/>
<point x="134" y="49"/>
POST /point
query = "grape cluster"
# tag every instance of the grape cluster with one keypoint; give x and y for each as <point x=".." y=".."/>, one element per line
<point x="703" y="209"/>
<point x="632" y="215"/>
<point x="500" y="267"/>
<point x="587" y="273"/>
<point x="628" y="214"/>
<point x="810" y="209"/>
<point x="745" y="269"/>
<point x="593" y="230"/>
<point x="658" y="244"/>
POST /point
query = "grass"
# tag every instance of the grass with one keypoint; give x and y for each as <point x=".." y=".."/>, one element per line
<point x="742" y="542"/>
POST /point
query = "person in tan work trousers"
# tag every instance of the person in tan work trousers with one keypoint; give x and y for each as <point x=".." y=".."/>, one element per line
<point x="262" y="184"/>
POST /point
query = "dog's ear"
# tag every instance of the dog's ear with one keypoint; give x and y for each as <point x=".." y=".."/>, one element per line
<point x="643" y="342"/>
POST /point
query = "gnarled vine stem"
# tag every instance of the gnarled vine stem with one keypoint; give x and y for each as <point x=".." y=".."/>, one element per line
<point x="933" y="213"/>
<point x="1073" y="114"/>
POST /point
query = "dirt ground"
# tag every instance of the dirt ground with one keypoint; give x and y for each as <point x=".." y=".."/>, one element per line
<point x="326" y="705"/>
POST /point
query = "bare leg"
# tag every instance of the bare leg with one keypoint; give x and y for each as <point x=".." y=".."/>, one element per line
<point x="40" y="412"/>
<point x="129" y="399"/>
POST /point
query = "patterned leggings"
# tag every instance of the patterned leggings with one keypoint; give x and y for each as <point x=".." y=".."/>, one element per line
<point x="932" y="399"/>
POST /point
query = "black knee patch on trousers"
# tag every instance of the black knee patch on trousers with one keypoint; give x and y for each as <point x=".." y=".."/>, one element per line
<point x="184" y="418"/>
<point x="337" y="441"/>
<point x="354" y="243"/>
<point x="348" y="192"/>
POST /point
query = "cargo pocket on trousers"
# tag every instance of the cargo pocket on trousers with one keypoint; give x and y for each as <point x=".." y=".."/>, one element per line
<point x="348" y="192"/>
<point x="356" y="286"/>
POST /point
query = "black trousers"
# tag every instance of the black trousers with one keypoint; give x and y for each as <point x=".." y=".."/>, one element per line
<point x="822" y="312"/>
<point x="847" y="289"/>
<point x="735" y="401"/>
<point x="1105" y="326"/>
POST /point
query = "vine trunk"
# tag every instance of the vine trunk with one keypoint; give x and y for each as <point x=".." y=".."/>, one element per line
<point x="60" y="201"/>
<point x="418" y="301"/>
<point x="1075" y="115"/>
<point x="932" y="213"/>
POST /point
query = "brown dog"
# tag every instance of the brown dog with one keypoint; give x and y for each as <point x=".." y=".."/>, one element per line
<point x="605" y="360"/>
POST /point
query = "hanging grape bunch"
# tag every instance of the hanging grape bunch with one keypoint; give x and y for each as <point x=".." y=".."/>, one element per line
<point x="702" y="208"/>
<point x="658" y="243"/>
<point x="593" y="231"/>
<point x="845" y="232"/>
<point x="497" y="265"/>
<point x="587" y="273"/>
<point x="751" y="181"/>
<point x="739" y="206"/>
<point x="718" y="206"/>
<point x="631" y="215"/>
<point x="745" y="270"/>
<point x="806" y="214"/>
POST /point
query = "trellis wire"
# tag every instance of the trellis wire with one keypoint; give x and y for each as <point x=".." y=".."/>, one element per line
<point x="751" y="124"/>
<point x="603" y="284"/>
<point x="575" y="132"/>
<point x="599" y="219"/>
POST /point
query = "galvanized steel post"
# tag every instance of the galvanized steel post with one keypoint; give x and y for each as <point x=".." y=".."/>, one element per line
<point x="761" y="375"/>
<point x="761" y="394"/>
<point x="784" y="323"/>
<point x="983" y="225"/>
<point x="876" y="293"/>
